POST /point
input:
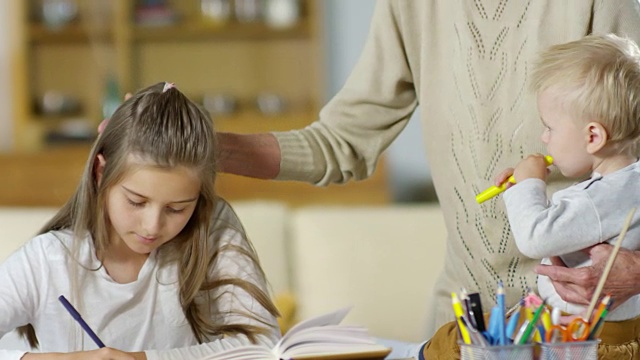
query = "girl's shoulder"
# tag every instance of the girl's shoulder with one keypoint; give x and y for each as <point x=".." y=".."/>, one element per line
<point x="51" y="244"/>
<point x="225" y="224"/>
<point x="224" y="214"/>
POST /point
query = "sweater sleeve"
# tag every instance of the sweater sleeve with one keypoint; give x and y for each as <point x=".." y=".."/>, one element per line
<point x="230" y="304"/>
<point x="621" y="17"/>
<point x="366" y="115"/>
<point x="542" y="228"/>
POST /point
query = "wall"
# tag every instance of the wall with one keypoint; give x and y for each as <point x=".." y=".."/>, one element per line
<point x="347" y="26"/>
<point x="7" y="43"/>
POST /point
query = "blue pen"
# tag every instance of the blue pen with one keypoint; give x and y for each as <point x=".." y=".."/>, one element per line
<point x="76" y="315"/>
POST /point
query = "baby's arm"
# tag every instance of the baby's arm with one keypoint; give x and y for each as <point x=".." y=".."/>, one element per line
<point x="544" y="229"/>
<point x="534" y="166"/>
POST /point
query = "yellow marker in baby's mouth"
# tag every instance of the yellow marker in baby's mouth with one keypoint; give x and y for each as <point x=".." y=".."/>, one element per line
<point x="495" y="190"/>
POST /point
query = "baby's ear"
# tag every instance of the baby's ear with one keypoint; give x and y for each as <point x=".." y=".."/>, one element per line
<point x="98" y="168"/>
<point x="597" y="137"/>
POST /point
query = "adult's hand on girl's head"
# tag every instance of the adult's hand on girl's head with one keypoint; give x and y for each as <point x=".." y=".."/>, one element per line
<point x="102" y="125"/>
<point x="577" y="285"/>
<point x="104" y="122"/>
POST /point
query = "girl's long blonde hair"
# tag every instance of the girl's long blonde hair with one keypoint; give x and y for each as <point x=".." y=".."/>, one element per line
<point x="162" y="126"/>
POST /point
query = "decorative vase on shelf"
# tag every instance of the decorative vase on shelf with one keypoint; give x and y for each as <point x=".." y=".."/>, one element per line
<point x="248" y="11"/>
<point x="282" y="13"/>
<point x="111" y="99"/>
<point x="57" y="13"/>
<point x="215" y="12"/>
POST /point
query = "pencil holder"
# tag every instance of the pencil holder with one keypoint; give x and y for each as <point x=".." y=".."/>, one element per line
<point x="507" y="352"/>
<point x="578" y="350"/>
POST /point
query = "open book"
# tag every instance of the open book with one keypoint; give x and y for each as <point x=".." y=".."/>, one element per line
<point x="321" y="337"/>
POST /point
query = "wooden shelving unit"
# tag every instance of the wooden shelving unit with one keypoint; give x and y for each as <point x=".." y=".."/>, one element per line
<point x="238" y="59"/>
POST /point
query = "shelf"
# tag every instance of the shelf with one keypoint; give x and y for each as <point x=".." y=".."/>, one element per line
<point x="49" y="177"/>
<point x="241" y="59"/>
<point x="255" y="122"/>
<point x="39" y="33"/>
<point x="48" y="130"/>
<point x="232" y="31"/>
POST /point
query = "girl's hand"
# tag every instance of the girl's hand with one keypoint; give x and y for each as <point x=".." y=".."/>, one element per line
<point x="533" y="166"/>
<point x="99" y="354"/>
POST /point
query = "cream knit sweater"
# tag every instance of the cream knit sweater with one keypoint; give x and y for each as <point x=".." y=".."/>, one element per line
<point x="466" y="64"/>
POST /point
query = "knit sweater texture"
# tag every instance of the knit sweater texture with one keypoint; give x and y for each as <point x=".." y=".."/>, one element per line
<point x="466" y="63"/>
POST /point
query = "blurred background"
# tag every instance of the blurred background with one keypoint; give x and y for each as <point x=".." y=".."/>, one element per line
<point x="255" y="65"/>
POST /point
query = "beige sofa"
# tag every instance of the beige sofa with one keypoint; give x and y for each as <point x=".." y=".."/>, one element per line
<point x="381" y="260"/>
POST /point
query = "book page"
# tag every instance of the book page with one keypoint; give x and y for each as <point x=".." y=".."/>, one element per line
<point x="348" y="354"/>
<point x="324" y="338"/>
<point x="248" y="352"/>
<point x="321" y="337"/>
<point x="333" y="318"/>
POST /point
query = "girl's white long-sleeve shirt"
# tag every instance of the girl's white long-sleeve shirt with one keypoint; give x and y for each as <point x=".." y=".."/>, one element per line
<point x="144" y="315"/>
<point x="585" y="214"/>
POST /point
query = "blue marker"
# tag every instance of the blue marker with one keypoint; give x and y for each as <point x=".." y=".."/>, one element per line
<point x="494" y="327"/>
<point x="502" y="332"/>
<point x="76" y="315"/>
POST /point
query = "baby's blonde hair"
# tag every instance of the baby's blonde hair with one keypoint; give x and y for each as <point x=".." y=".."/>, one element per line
<point x="598" y="79"/>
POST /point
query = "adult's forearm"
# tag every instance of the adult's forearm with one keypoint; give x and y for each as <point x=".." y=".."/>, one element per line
<point x="252" y="155"/>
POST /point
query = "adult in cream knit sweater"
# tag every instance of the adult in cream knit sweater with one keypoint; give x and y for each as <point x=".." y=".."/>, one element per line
<point x="466" y="64"/>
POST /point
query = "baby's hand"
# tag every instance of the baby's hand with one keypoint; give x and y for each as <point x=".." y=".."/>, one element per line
<point x="533" y="166"/>
<point x="502" y="178"/>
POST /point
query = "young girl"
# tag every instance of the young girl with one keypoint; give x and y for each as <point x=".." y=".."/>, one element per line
<point x="157" y="265"/>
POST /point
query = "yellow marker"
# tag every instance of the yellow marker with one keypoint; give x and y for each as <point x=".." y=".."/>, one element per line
<point x="459" y="312"/>
<point x="495" y="190"/>
<point x="546" y="320"/>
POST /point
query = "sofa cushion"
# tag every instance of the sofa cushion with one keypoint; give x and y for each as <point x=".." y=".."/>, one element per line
<point x="265" y="223"/>
<point x="19" y="224"/>
<point x="382" y="260"/>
